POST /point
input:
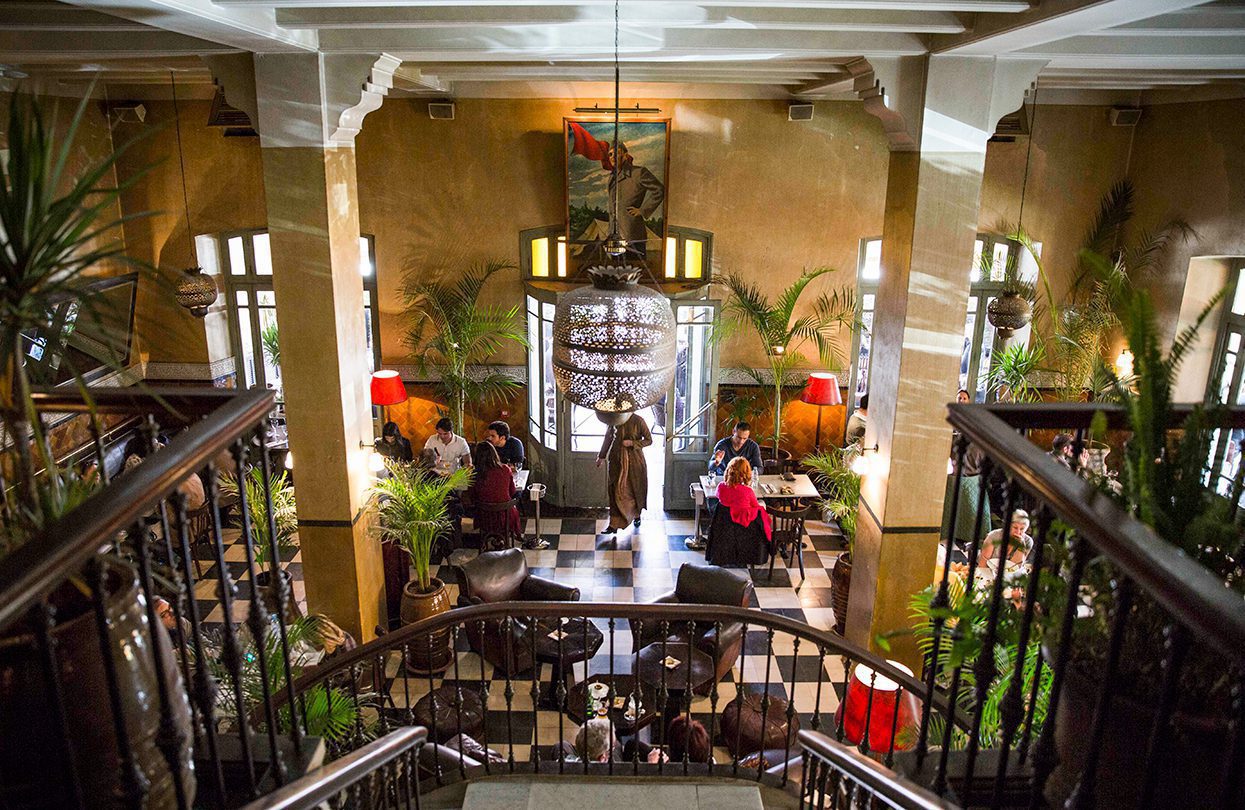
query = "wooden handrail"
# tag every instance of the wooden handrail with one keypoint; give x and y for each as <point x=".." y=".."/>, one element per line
<point x="876" y="777"/>
<point x="1074" y="415"/>
<point x="34" y="569"/>
<point x="1186" y="589"/>
<point x="327" y="782"/>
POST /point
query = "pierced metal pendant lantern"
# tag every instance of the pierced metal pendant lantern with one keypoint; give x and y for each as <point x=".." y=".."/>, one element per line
<point x="613" y="344"/>
<point x="196" y="291"/>
<point x="1009" y="313"/>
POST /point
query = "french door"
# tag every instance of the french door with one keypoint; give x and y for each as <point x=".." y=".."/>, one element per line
<point x="1227" y="389"/>
<point x="691" y="403"/>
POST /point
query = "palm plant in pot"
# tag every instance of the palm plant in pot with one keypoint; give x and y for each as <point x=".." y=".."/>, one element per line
<point x="783" y="335"/>
<point x="834" y="469"/>
<point x="57" y="226"/>
<point x="413" y="512"/>
<point x="284" y="519"/>
<point x="451" y="333"/>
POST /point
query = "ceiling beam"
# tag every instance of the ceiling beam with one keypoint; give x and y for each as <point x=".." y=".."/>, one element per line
<point x="251" y="28"/>
<point x="671" y="16"/>
<point x="25" y="47"/>
<point x="960" y="6"/>
<point x="1200" y="21"/>
<point x="1104" y="50"/>
<point x="60" y="17"/>
<point x="471" y="44"/>
<point x="1050" y="21"/>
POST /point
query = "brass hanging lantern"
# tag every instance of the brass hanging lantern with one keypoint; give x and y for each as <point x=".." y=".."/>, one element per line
<point x="613" y="344"/>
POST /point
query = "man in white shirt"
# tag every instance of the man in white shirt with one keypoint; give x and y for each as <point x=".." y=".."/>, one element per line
<point x="449" y="450"/>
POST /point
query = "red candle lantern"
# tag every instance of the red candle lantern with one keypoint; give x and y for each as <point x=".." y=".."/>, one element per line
<point x="881" y="705"/>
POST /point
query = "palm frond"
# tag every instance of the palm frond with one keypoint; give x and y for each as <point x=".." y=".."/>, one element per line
<point x="1114" y="212"/>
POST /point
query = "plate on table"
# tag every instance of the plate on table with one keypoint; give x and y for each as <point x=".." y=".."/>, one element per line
<point x="670" y="662"/>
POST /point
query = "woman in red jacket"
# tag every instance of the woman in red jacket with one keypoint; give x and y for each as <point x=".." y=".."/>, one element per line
<point x="735" y="493"/>
<point x="494" y="484"/>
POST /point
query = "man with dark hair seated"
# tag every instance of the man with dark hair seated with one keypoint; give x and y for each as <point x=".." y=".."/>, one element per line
<point x="451" y="451"/>
<point x="509" y="449"/>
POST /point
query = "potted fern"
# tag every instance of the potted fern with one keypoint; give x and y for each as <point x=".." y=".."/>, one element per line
<point x="783" y="335"/>
<point x="450" y="332"/>
<point x="414" y="513"/>
<point x="834" y="468"/>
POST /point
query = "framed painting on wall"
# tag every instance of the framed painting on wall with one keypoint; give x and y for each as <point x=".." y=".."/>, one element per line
<point x="641" y="194"/>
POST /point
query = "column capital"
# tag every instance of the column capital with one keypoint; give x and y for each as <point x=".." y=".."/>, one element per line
<point x="319" y="100"/>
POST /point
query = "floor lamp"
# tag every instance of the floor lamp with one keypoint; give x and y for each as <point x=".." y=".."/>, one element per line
<point x="822" y="389"/>
<point x="387" y="389"/>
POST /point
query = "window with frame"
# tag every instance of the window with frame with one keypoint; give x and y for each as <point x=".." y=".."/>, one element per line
<point x="991" y="255"/>
<point x="542" y="395"/>
<point x="1227" y="385"/>
<point x="688" y="254"/>
<point x="242" y="261"/>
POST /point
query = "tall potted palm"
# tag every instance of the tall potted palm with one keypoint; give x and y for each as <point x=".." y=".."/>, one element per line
<point x="450" y="331"/>
<point x="414" y="512"/>
<point x="57" y="225"/>
<point x="783" y="335"/>
<point x="284" y="518"/>
<point x="842" y="486"/>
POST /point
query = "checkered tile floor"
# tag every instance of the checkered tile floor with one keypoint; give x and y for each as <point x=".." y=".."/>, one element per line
<point x="632" y="566"/>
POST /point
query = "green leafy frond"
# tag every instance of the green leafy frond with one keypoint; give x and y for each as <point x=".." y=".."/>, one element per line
<point x="1114" y="212"/>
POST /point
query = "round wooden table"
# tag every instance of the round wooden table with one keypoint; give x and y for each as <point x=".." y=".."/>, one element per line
<point x="677" y="680"/>
<point x="581" y="642"/>
<point x="624" y="686"/>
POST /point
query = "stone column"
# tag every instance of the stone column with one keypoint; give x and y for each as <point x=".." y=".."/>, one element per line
<point x="313" y="223"/>
<point x="932" y="198"/>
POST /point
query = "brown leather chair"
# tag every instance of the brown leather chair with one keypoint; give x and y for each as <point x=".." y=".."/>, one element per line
<point x="700" y="584"/>
<point x="503" y="576"/>
<point x="788" y="535"/>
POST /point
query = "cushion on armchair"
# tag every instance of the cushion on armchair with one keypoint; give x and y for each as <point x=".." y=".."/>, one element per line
<point x="700" y="584"/>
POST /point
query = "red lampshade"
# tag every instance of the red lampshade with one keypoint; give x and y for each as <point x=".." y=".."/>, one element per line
<point x="822" y="389"/>
<point x="890" y="717"/>
<point x="387" y="388"/>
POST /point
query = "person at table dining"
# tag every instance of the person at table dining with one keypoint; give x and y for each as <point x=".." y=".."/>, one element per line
<point x="1019" y="546"/>
<point x="623" y="448"/>
<point x="509" y="449"/>
<point x="738" y="444"/>
<point x="856" y="425"/>
<point x="494" y="484"/>
<point x="451" y="451"/>
<point x="736" y="494"/>
<point x="393" y="445"/>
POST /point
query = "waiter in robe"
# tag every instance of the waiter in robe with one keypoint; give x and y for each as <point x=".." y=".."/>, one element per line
<point x="623" y="449"/>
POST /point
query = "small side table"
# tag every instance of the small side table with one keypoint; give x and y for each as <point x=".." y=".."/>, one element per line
<point x="651" y="670"/>
<point x="624" y="686"/>
<point x="581" y="643"/>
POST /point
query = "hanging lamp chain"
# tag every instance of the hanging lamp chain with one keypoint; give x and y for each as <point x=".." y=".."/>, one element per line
<point x="1024" y="183"/>
<point x="181" y="159"/>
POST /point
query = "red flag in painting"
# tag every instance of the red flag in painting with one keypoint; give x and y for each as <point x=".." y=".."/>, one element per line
<point x="584" y="144"/>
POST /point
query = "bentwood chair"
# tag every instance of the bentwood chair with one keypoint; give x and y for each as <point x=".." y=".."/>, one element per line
<point x="492" y="521"/>
<point x="788" y="534"/>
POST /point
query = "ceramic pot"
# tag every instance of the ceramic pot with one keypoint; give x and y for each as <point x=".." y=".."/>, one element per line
<point x="1009" y="313"/>
<point x="840" y="586"/>
<point x="31" y="749"/>
<point x="1187" y="772"/>
<point x="263" y="584"/>
<point x="430" y="652"/>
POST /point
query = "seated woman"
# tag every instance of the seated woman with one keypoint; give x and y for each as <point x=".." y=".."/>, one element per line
<point x="1020" y="544"/>
<point x="393" y="444"/>
<point x="493" y="484"/>
<point x="735" y="493"/>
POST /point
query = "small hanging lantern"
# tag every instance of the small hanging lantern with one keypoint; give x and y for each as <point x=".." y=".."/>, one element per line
<point x="1009" y="313"/>
<point x="196" y="291"/>
<point x="613" y="344"/>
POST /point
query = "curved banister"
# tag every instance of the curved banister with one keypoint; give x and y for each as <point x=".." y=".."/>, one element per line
<point x="329" y="781"/>
<point x="755" y="618"/>
<point x="880" y="781"/>
<point x="33" y="569"/>
<point x="1186" y="589"/>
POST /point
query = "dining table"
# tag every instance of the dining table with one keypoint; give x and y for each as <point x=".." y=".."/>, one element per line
<point x="773" y="487"/>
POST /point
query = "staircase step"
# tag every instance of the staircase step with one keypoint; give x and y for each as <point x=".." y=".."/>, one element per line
<point x="608" y="795"/>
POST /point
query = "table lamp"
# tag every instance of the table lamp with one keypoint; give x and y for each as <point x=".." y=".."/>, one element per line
<point x="387" y="389"/>
<point x="822" y="389"/>
<point x="877" y="702"/>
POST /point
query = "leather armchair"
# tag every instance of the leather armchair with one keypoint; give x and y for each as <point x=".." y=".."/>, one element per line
<point x="503" y="576"/>
<point x="699" y="584"/>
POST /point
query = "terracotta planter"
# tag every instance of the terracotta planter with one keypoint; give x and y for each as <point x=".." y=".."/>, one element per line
<point x="430" y="652"/>
<point x="263" y="584"/>
<point x="1187" y="771"/>
<point x="31" y="750"/>
<point x="1009" y="313"/>
<point x="840" y="586"/>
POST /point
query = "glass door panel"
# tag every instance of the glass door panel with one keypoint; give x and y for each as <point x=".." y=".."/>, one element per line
<point x="692" y="401"/>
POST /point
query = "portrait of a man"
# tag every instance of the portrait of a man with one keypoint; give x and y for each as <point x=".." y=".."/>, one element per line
<point x="636" y="194"/>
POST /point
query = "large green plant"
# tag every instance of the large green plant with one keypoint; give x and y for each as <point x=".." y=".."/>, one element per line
<point x="450" y="332"/>
<point x="284" y="512"/>
<point x="55" y="229"/>
<point x="783" y="335"/>
<point x="834" y="466"/>
<point x="414" y="512"/>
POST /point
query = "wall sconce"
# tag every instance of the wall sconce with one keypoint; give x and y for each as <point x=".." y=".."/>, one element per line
<point x="1124" y="364"/>
<point x="375" y="462"/>
<point x="289" y="459"/>
<point x="862" y="465"/>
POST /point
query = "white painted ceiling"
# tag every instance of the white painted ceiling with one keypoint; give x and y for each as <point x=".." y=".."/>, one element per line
<point x="764" y="48"/>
